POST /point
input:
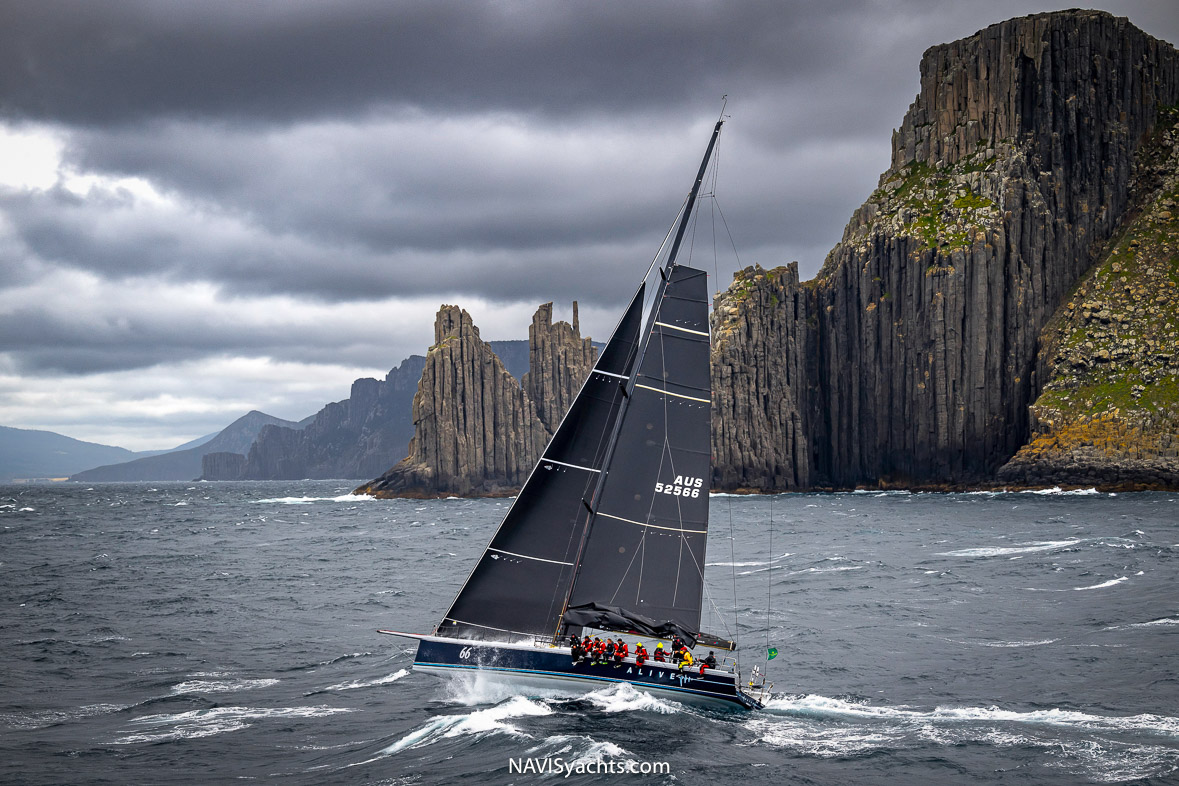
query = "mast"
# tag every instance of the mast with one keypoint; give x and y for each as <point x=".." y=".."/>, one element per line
<point x="679" y="234"/>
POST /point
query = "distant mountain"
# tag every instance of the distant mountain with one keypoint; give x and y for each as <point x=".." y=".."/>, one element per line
<point x="186" y="464"/>
<point x="359" y="437"/>
<point x="30" y="453"/>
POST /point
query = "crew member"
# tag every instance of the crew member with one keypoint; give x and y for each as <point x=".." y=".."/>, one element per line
<point x="620" y="652"/>
<point x="640" y="654"/>
<point x="575" y="650"/>
<point x="708" y="663"/>
<point x="660" y="655"/>
<point x="685" y="659"/>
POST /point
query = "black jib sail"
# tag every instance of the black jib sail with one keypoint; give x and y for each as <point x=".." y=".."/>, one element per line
<point x="615" y="513"/>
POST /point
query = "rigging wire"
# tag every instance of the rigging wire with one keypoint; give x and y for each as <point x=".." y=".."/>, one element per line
<point x="769" y="584"/>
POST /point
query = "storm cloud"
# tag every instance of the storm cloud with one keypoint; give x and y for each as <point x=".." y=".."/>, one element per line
<point x="278" y="194"/>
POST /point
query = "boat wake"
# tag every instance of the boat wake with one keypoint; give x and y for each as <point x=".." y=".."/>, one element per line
<point x="479" y="723"/>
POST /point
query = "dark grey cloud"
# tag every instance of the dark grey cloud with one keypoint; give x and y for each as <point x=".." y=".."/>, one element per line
<point x="288" y="156"/>
<point x="278" y="60"/>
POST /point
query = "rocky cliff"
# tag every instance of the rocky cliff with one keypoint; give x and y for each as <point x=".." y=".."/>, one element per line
<point x="1109" y="411"/>
<point x="477" y="430"/>
<point x="358" y="437"/>
<point x="760" y="332"/>
<point x="911" y="359"/>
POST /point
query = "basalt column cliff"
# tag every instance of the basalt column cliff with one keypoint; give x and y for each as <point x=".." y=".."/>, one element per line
<point x="477" y="430"/>
<point x="911" y="359"/>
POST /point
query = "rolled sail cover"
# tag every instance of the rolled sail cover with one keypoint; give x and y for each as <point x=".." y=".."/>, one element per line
<point x="615" y="618"/>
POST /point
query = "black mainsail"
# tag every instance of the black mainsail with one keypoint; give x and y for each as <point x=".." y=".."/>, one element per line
<point x="611" y="526"/>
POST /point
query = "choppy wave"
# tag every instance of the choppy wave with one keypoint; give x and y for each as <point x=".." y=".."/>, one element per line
<point x="814" y="705"/>
<point x="222" y="684"/>
<point x="41" y="719"/>
<point x="208" y="722"/>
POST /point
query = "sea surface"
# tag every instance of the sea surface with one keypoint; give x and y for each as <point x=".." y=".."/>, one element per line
<point x="225" y="632"/>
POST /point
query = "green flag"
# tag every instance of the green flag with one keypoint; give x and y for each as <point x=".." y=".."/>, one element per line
<point x="773" y="653"/>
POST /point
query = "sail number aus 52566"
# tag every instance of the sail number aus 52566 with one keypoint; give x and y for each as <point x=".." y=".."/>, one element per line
<point x="683" y="487"/>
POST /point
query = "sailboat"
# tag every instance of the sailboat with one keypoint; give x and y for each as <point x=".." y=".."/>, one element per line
<point x="609" y="531"/>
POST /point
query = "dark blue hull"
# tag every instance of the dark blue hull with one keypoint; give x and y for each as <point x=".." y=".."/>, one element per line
<point x="553" y="668"/>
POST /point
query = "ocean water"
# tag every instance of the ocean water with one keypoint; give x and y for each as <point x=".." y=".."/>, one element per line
<point x="216" y="632"/>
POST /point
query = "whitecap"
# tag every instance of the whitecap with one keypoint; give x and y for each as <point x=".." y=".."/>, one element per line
<point x="1104" y="584"/>
<point x="1164" y="621"/>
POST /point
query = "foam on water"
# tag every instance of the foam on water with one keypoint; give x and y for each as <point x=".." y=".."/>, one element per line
<point x="208" y="722"/>
<point x="220" y="685"/>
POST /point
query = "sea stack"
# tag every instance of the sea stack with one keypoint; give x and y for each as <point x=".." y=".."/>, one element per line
<point x="477" y="430"/>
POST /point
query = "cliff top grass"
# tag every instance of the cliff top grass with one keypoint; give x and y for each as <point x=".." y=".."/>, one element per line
<point x="1115" y="343"/>
<point x="942" y="206"/>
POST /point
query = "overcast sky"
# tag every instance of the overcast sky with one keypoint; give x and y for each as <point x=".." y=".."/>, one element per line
<point x="212" y="207"/>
